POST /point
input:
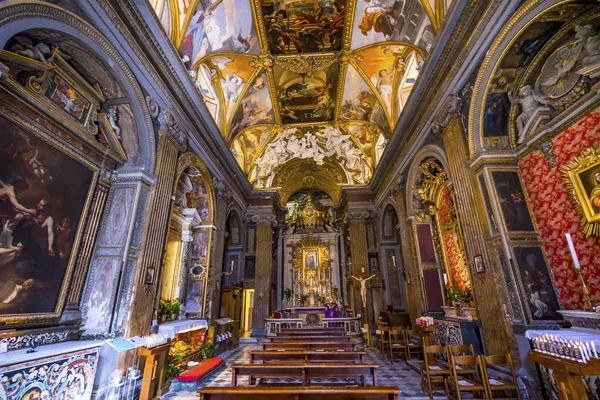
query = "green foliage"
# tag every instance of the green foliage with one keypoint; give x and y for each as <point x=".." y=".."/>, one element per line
<point x="454" y="293"/>
<point x="164" y="307"/>
<point x="207" y="350"/>
<point x="321" y="300"/>
<point x="174" y="367"/>
<point x="303" y="299"/>
<point x="175" y="307"/>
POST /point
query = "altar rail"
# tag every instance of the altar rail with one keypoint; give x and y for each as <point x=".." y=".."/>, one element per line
<point x="350" y="325"/>
<point x="274" y="325"/>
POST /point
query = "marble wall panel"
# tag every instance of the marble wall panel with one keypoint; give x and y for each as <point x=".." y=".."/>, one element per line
<point x="115" y="227"/>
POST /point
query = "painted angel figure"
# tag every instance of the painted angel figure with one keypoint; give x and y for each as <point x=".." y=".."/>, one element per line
<point x="383" y="81"/>
<point x="530" y="102"/>
<point x="363" y="287"/>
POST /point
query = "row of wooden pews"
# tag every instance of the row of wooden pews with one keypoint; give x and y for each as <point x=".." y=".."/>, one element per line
<point x="307" y="355"/>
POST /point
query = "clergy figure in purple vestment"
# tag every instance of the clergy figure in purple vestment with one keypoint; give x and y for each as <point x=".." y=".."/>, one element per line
<point x="331" y="310"/>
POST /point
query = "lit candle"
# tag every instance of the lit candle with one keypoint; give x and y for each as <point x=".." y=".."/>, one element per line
<point x="573" y="253"/>
<point x="231" y="269"/>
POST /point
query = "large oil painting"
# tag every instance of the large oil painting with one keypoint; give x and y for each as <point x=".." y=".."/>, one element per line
<point x="536" y="283"/>
<point x="311" y="258"/>
<point x="304" y="26"/>
<point x="512" y="201"/>
<point x="256" y="107"/>
<point x="43" y="194"/>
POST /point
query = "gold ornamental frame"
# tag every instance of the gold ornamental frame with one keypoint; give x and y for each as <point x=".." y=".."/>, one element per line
<point x="581" y="175"/>
<point x="42" y="133"/>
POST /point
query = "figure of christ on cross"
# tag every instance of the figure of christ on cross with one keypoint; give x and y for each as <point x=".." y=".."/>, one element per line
<point x="363" y="287"/>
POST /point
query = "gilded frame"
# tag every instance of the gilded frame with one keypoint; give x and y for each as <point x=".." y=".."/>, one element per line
<point x="46" y="136"/>
<point x="581" y="175"/>
<point x="305" y="253"/>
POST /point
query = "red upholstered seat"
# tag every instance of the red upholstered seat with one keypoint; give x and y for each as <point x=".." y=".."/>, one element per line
<point x="200" y="370"/>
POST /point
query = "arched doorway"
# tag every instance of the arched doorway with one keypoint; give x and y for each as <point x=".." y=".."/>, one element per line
<point x="187" y="253"/>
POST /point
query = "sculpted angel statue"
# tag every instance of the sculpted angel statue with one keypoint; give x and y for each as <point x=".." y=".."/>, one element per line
<point x="530" y="102"/>
<point x="363" y="287"/>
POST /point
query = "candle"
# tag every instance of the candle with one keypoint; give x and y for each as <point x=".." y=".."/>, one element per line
<point x="445" y="279"/>
<point x="394" y="260"/>
<point x="573" y="253"/>
<point x="231" y="269"/>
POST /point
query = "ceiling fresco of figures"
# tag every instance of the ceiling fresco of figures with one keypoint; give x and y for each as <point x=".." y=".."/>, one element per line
<point x="283" y="78"/>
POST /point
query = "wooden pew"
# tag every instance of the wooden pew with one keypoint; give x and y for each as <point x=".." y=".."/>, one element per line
<point x="309" y="356"/>
<point x="303" y="334"/>
<point x="300" y="393"/>
<point x="304" y="372"/>
<point x="318" y="331"/>
<point x="278" y="339"/>
<point x="309" y="346"/>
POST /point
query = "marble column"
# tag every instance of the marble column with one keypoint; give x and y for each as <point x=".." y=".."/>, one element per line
<point x="488" y="288"/>
<point x="415" y="297"/>
<point x="171" y="143"/>
<point x="264" y="273"/>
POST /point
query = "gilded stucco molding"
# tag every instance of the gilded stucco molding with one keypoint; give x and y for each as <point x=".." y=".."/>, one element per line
<point x="497" y="50"/>
<point x="36" y="11"/>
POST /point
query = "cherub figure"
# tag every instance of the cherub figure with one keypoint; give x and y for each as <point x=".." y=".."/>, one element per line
<point x="530" y="102"/>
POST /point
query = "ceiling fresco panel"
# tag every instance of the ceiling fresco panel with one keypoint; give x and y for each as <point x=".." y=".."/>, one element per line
<point x="307" y="98"/>
<point x="305" y="26"/>
<point x="256" y="106"/>
<point x="360" y="103"/>
<point x="397" y="20"/>
<point x="219" y="25"/>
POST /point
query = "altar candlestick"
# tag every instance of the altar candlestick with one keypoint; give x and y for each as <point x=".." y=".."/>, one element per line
<point x="573" y="253"/>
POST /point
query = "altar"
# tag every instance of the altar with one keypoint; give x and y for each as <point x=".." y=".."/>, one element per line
<point x="311" y="315"/>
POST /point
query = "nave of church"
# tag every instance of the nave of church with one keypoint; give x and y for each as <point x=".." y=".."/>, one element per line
<point x="299" y="199"/>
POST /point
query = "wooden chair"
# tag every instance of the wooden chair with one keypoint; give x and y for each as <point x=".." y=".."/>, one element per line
<point x="378" y="339"/>
<point x="431" y="372"/>
<point x="461" y="382"/>
<point x="462" y="350"/>
<point x="500" y="384"/>
<point x="385" y="340"/>
<point x="397" y="344"/>
<point x="414" y="344"/>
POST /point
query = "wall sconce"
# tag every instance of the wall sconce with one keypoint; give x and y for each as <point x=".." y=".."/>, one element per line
<point x="227" y="273"/>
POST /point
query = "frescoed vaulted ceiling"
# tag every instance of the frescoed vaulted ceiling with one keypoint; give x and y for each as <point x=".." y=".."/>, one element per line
<point x="314" y="84"/>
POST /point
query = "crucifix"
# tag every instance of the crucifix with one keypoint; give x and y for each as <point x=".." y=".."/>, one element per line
<point x="363" y="287"/>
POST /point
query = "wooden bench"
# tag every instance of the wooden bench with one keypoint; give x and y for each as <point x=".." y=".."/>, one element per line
<point x="330" y="338"/>
<point x="300" y="393"/>
<point x="309" y="356"/>
<point x="304" y="372"/>
<point x="309" y="346"/>
<point x="312" y="331"/>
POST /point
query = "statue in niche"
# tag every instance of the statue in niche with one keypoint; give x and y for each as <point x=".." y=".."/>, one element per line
<point x="25" y="47"/>
<point x="530" y="103"/>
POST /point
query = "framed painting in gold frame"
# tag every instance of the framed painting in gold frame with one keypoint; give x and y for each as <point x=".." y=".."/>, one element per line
<point x="53" y="196"/>
<point x="582" y="177"/>
<point x="310" y="258"/>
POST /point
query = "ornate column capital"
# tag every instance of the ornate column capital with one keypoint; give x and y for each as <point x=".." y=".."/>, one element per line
<point x="452" y="107"/>
<point x="169" y="123"/>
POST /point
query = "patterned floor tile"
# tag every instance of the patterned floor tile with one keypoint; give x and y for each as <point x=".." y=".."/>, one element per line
<point x="397" y="373"/>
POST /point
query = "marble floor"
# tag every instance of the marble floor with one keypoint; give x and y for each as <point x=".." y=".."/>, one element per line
<point x="388" y="374"/>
